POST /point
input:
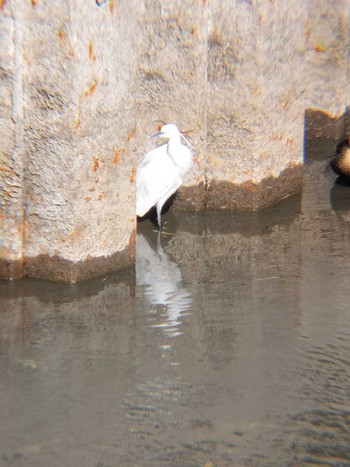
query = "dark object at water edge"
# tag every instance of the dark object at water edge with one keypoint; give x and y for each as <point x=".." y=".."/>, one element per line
<point x="340" y="163"/>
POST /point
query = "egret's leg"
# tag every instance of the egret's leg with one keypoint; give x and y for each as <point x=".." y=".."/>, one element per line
<point x="159" y="215"/>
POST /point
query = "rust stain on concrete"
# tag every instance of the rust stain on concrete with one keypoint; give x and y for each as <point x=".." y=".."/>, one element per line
<point x="133" y="174"/>
<point x="117" y="153"/>
<point x="319" y="48"/>
<point x="91" y="53"/>
<point x="131" y="134"/>
<point x="95" y="163"/>
<point x="90" y="89"/>
<point x="111" y="5"/>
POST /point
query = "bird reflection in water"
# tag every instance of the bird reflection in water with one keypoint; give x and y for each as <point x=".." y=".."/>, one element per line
<point x="162" y="282"/>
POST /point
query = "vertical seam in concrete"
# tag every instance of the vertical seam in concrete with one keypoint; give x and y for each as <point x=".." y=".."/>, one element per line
<point x="18" y="112"/>
<point x="206" y="23"/>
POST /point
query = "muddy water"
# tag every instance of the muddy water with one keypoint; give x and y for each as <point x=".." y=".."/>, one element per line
<point x="228" y="344"/>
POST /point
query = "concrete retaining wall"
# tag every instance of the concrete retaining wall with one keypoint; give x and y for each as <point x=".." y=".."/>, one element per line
<point x="82" y="86"/>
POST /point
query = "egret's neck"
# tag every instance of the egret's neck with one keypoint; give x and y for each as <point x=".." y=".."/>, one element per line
<point x="174" y="141"/>
<point x="174" y="144"/>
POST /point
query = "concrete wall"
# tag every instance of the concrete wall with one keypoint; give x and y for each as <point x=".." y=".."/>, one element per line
<point x="82" y="86"/>
<point x="11" y="142"/>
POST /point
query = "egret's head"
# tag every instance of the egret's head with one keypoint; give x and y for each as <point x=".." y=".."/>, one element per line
<point x="168" y="131"/>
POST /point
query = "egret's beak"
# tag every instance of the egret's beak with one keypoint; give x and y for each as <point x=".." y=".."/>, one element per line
<point x="157" y="134"/>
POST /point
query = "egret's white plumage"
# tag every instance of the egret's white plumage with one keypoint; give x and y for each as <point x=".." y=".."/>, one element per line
<point x="161" y="172"/>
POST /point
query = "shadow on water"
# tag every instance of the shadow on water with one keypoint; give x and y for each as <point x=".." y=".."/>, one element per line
<point x="227" y="344"/>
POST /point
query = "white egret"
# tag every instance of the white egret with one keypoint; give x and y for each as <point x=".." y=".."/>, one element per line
<point x="161" y="171"/>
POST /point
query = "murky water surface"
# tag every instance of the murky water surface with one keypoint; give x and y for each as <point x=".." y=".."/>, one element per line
<point x="228" y="344"/>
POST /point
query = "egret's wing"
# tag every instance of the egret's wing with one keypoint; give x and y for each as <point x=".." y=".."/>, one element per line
<point x="156" y="178"/>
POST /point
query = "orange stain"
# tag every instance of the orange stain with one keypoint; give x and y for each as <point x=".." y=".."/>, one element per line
<point x="319" y="48"/>
<point x="87" y="92"/>
<point x="117" y="153"/>
<point x="91" y="53"/>
<point x="132" y="175"/>
<point x="90" y="89"/>
<point x="77" y="122"/>
<point x="100" y="197"/>
<point x="276" y="136"/>
<point x="2" y="3"/>
<point x="95" y="163"/>
<point x="131" y="134"/>
<point x="60" y="34"/>
<point x="111" y="5"/>
<point x="87" y="198"/>
<point x="250" y="186"/>
<point x="33" y="3"/>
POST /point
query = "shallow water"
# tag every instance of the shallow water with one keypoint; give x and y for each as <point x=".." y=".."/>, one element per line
<point x="228" y="344"/>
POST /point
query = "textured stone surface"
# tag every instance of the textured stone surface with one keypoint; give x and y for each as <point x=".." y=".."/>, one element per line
<point x="72" y="131"/>
<point x="78" y="165"/>
<point x="11" y="136"/>
<point x="326" y="77"/>
<point x="255" y="110"/>
<point x="82" y="87"/>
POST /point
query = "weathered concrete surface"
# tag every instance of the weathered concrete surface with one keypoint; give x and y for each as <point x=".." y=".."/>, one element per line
<point x="79" y="161"/>
<point x="81" y="88"/>
<point x="255" y="110"/>
<point x="73" y="132"/>
<point x="326" y="77"/>
<point x="11" y="136"/>
<point x="327" y="61"/>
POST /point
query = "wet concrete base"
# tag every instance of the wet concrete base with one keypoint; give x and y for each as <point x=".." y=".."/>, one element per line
<point x="54" y="268"/>
<point x="251" y="196"/>
<point x="11" y="269"/>
<point x="218" y="195"/>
